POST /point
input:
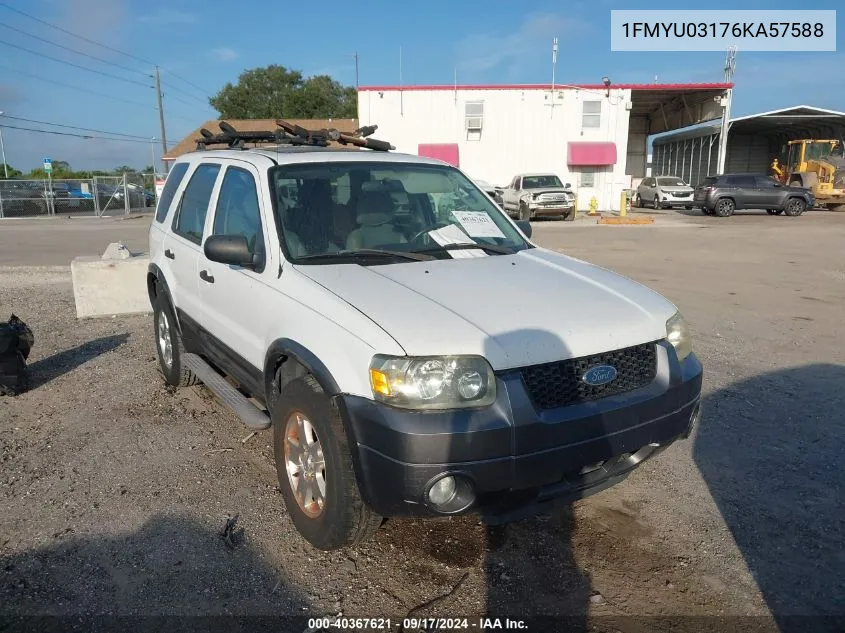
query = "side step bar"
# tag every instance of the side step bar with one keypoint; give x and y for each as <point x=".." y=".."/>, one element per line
<point x="249" y="414"/>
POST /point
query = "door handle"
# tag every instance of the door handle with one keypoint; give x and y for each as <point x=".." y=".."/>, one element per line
<point x="206" y="277"/>
<point x="169" y="254"/>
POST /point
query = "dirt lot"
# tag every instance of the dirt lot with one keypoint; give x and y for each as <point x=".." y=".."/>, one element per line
<point x="115" y="489"/>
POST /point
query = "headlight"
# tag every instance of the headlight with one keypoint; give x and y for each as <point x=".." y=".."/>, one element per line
<point x="437" y="382"/>
<point x="677" y="333"/>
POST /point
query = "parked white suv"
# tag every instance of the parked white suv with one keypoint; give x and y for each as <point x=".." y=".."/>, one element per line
<point x="409" y="361"/>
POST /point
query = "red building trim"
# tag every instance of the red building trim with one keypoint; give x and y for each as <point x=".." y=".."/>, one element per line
<point x="688" y="86"/>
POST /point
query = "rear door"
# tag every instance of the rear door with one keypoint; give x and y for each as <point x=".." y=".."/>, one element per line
<point x="237" y="300"/>
<point x="183" y="245"/>
<point x="744" y="191"/>
<point x="511" y="194"/>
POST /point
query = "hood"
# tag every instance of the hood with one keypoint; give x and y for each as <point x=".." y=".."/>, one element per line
<point x="535" y="306"/>
<point x="675" y="188"/>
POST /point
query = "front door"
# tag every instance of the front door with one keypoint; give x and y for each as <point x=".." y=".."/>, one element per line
<point x="510" y="197"/>
<point x="182" y="246"/>
<point x="769" y="192"/>
<point x="239" y="301"/>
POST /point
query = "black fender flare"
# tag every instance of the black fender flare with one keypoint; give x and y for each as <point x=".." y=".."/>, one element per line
<point x="279" y="355"/>
<point x="156" y="285"/>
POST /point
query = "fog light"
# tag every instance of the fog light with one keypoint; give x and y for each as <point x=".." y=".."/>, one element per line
<point x="443" y="491"/>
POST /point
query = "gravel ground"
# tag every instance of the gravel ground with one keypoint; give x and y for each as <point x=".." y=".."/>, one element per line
<point x="115" y="489"/>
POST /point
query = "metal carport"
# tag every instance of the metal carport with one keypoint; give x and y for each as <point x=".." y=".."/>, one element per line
<point x="753" y="142"/>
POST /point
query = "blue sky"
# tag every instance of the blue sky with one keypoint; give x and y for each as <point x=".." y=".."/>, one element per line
<point x="210" y="42"/>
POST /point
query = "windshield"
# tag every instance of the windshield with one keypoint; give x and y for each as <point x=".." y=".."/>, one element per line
<point x="817" y="150"/>
<point x="671" y="182"/>
<point x="329" y="212"/>
<point x="536" y="182"/>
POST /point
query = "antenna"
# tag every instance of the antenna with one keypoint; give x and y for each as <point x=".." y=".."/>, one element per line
<point x="730" y="64"/>
<point x="401" y="100"/>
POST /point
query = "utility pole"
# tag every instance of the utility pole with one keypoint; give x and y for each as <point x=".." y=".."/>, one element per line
<point x="3" y="151"/>
<point x="153" y="155"/>
<point x="161" y="118"/>
<point x="730" y="68"/>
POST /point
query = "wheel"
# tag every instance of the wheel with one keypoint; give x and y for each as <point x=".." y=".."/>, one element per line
<point x="315" y="471"/>
<point x="569" y="217"/>
<point x="169" y="345"/>
<point x="706" y="211"/>
<point x="774" y="211"/>
<point x="524" y="213"/>
<point x="724" y="208"/>
<point x="656" y="202"/>
<point x="688" y="207"/>
<point x="638" y="201"/>
<point x="795" y="207"/>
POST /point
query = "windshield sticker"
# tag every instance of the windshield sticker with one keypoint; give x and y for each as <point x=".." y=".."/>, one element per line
<point x="478" y="224"/>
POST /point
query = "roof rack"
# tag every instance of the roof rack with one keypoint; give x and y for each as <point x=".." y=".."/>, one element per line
<point x="290" y="134"/>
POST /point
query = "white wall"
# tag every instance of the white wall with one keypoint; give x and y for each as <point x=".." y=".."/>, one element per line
<point x="521" y="132"/>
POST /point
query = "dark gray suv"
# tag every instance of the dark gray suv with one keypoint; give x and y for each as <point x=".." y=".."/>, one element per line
<point x="722" y="195"/>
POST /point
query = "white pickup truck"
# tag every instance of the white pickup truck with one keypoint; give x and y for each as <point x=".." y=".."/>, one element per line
<point x="533" y="195"/>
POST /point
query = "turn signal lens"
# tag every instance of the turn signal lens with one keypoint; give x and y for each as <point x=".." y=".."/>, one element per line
<point x="379" y="382"/>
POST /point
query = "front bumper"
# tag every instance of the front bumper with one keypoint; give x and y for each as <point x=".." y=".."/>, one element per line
<point x="518" y="460"/>
<point x="548" y="209"/>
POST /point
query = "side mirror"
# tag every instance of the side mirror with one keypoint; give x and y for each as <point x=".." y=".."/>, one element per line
<point x="229" y="249"/>
<point x="525" y="227"/>
<point x="777" y="184"/>
<point x="568" y="185"/>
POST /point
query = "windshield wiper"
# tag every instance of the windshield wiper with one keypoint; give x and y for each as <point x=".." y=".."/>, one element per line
<point x="501" y="250"/>
<point x="369" y="252"/>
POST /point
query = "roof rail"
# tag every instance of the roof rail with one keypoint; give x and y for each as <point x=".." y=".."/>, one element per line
<point x="290" y="134"/>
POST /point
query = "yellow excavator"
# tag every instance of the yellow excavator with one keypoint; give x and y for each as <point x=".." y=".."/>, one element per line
<point x="818" y="165"/>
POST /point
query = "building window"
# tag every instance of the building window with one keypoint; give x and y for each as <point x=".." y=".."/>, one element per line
<point x="587" y="177"/>
<point x="591" y="114"/>
<point x="474" y="113"/>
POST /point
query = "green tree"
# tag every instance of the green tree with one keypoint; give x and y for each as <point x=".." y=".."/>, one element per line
<point x="13" y="173"/>
<point x="277" y="92"/>
<point x="125" y="169"/>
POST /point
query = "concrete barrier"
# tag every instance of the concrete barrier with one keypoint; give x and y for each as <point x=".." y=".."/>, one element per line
<point x="115" y="283"/>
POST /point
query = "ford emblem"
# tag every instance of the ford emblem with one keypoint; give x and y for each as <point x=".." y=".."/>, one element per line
<point x="599" y="375"/>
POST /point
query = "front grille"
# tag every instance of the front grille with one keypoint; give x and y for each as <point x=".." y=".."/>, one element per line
<point x="559" y="384"/>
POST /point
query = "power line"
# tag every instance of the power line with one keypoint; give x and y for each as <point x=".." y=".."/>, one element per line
<point x="84" y="89"/>
<point x="85" y="39"/>
<point x="61" y="61"/>
<point x="85" y="136"/>
<point x="76" y="127"/>
<point x="204" y="92"/>
<point x="72" y="50"/>
<point x="101" y="45"/>
<point x="180" y="91"/>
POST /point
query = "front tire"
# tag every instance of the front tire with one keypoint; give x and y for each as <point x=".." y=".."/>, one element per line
<point x="795" y="207"/>
<point x="638" y="201"/>
<point x="524" y="213"/>
<point x="724" y="208"/>
<point x="569" y="217"/>
<point x="656" y="203"/>
<point x="169" y="348"/>
<point x="314" y="467"/>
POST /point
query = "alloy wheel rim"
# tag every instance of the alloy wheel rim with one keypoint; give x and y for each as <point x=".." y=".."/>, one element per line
<point x="165" y="345"/>
<point x="305" y="465"/>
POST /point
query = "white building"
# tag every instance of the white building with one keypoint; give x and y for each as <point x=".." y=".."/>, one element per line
<point x="591" y="136"/>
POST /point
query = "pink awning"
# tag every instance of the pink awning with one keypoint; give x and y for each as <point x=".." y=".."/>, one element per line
<point x="447" y="152"/>
<point x="591" y="154"/>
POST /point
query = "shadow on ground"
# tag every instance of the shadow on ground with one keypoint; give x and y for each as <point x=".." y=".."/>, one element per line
<point x="772" y="451"/>
<point x="47" y="369"/>
<point x="171" y="566"/>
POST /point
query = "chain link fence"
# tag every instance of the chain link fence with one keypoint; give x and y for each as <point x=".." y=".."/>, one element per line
<point x="98" y="196"/>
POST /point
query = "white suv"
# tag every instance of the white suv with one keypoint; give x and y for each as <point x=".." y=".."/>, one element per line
<point x="412" y="358"/>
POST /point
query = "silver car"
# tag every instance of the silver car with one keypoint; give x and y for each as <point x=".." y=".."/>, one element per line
<point x="664" y="192"/>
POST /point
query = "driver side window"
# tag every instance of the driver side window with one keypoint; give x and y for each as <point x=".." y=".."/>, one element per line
<point x="237" y="211"/>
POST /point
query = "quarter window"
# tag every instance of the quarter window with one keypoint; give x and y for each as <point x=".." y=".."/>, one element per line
<point x="174" y="179"/>
<point x="237" y="209"/>
<point x="190" y="216"/>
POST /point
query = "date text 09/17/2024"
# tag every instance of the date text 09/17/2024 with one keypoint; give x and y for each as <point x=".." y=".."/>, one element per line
<point x="413" y="624"/>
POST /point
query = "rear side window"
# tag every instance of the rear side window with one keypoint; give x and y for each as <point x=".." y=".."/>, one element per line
<point x="190" y="216"/>
<point x="174" y="179"/>
<point x="709" y="181"/>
